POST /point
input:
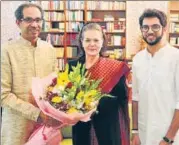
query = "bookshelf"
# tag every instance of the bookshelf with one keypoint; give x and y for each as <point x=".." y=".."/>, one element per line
<point x="111" y="15"/>
<point x="174" y="23"/>
<point x="64" y="20"/>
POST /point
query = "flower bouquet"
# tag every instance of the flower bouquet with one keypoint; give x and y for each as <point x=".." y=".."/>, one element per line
<point x="67" y="96"/>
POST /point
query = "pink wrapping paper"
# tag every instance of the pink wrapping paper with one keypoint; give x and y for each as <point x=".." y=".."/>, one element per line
<point x="45" y="136"/>
<point x="38" y="90"/>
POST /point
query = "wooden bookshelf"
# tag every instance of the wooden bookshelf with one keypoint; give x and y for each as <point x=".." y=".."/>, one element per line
<point x="174" y="23"/>
<point x="112" y="17"/>
<point x="64" y="20"/>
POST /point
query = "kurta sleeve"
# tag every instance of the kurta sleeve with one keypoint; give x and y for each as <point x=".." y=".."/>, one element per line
<point x="177" y="83"/>
<point x="54" y="67"/>
<point x="10" y="100"/>
<point x="135" y="94"/>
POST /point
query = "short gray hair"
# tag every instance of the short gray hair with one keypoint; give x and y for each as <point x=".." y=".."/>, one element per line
<point x="19" y="11"/>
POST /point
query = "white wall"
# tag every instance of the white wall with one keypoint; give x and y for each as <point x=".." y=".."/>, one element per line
<point x="9" y="30"/>
<point x="134" y="10"/>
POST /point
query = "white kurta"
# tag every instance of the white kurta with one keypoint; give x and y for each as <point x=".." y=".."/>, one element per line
<point x="19" y="63"/>
<point x="156" y="88"/>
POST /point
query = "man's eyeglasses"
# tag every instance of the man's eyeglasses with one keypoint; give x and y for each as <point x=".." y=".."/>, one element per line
<point x="31" y="20"/>
<point x="154" y="27"/>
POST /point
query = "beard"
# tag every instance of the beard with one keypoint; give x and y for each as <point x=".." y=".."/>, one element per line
<point x="157" y="40"/>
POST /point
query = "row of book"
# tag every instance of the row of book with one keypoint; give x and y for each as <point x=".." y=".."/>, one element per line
<point x="57" y="26"/>
<point x="174" y="17"/>
<point x="113" y="27"/>
<point x="115" y="40"/>
<point x="52" y="5"/>
<point x="91" y="5"/>
<point x="74" y="15"/>
<point x="174" y="41"/>
<point x="59" y="5"/>
<point x="59" y="16"/>
<point x="74" y="26"/>
<point x="60" y="26"/>
<point x="115" y="53"/>
<point x="60" y="64"/>
<point x="56" y="39"/>
<point x="75" y="5"/>
<point x="106" y="5"/>
<point x="71" y="52"/>
<point x="174" y="27"/>
<point x="53" y="16"/>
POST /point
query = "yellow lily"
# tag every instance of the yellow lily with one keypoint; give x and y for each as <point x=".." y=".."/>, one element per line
<point x="56" y="99"/>
<point x="63" y="79"/>
<point x="80" y="95"/>
<point x="72" y="110"/>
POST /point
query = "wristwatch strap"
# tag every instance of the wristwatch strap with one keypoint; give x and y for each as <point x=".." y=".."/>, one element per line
<point x="166" y="139"/>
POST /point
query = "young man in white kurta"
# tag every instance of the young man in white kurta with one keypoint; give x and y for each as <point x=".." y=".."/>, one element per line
<point x="156" y="89"/>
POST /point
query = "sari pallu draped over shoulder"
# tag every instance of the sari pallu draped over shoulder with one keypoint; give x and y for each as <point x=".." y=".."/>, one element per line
<point x="110" y="71"/>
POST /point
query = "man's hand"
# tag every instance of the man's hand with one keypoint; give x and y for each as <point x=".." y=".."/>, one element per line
<point x="48" y="120"/>
<point x="135" y="139"/>
<point x="44" y="119"/>
<point x="163" y="143"/>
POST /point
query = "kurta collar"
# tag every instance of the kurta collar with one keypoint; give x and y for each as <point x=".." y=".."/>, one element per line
<point x="28" y="43"/>
<point x="158" y="54"/>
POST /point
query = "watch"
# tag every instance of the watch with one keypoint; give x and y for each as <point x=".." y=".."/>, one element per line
<point x="166" y="139"/>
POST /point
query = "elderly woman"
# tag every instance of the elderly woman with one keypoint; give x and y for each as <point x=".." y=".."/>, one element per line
<point x="110" y="126"/>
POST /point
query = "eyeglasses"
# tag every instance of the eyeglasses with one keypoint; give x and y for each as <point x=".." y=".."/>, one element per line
<point x="30" y="20"/>
<point x="154" y="27"/>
